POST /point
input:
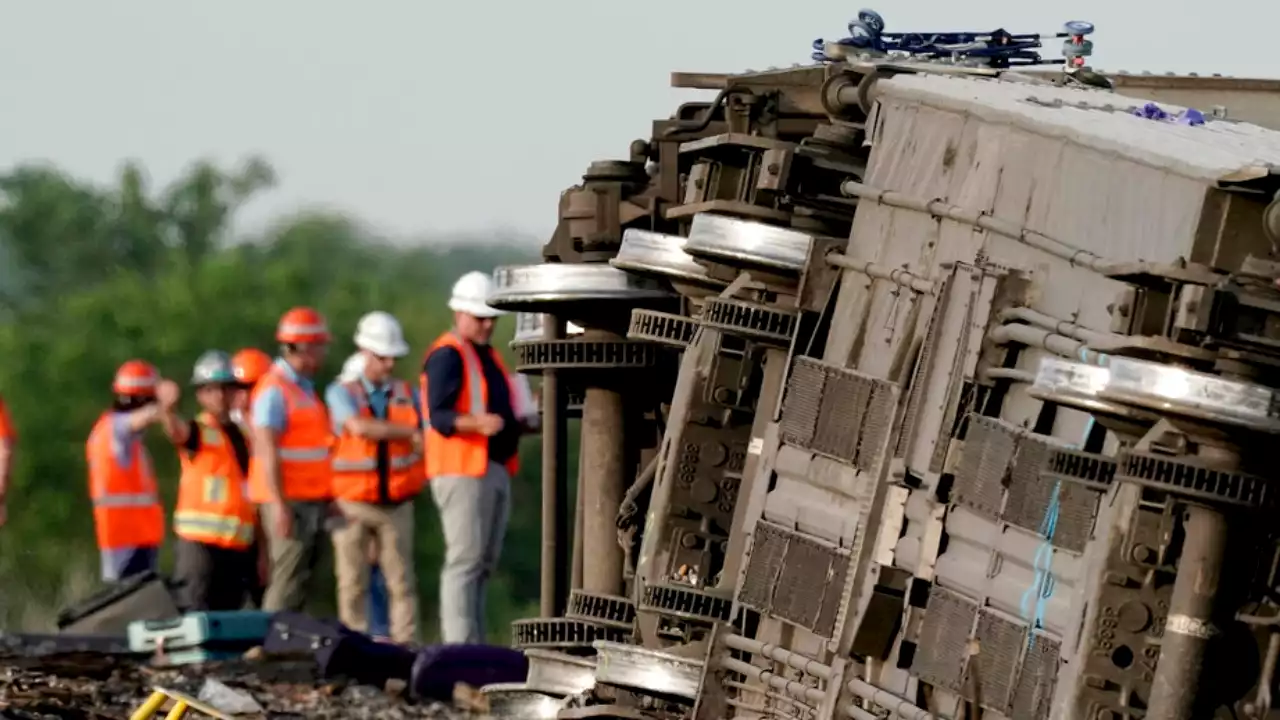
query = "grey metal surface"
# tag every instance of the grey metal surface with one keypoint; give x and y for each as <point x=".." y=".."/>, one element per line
<point x="558" y="673"/>
<point x="518" y="286"/>
<point x="649" y="670"/>
<point x="1214" y="152"/>
<point x="515" y="701"/>
<point x="530" y="327"/>
<point x="648" y="252"/>
<point x="943" y="645"/>
<point x="795" y="577"/>
<point x="729" y="239"/>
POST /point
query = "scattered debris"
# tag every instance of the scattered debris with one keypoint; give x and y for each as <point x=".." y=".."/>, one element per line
<point x="96" y="686"/>
<point x="228" y="700"/>
<point x="1152" y="111"/>
<point x="466" y="697"/>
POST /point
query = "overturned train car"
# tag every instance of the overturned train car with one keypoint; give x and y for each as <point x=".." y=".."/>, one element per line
<point x="911" y="394"/>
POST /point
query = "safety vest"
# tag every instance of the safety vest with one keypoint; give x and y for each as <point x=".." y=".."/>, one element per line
<point x="213" y="504"/>
<point x="303" y="447"/>
<point x="355" y="459"/>
<point x="6" y="424"/>
<point x="126" y="509"/>
<point x="465" y="454"/>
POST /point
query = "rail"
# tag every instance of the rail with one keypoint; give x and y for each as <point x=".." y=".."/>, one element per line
<point x="900" y="276"/>
<point x="1055" y="343"/>
<point x="979" y="219"/>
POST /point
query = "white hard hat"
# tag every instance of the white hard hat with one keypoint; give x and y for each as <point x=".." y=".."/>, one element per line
<point x="380" y="334"/>
<point x="352" y="369"/>
<point x="471" y="295"/>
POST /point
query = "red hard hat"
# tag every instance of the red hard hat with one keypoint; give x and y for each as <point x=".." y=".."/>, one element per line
<point x="302" y="325"/>
<point x="249" y="365"/>
<point x="136" y="378"/>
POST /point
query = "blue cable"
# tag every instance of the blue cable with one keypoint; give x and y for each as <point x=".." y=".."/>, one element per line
<point x="1043" y="585"/>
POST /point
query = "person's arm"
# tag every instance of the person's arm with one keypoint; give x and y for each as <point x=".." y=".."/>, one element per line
<point x="6" y="462"/>
<point x="269" y="418"/>
<point x="529" y="401"/>
<point x="345" y="417"/>
<point x="179" y="431"/>
<point x="138" y="420"/>
<point x="417" y="431"/>
<point x="444" y="381"/>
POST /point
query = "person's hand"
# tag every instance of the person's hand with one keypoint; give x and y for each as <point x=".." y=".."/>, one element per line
<point x="167" y="394"/>
<point x="490" y="424"/>
<point x="335" y="519"/>
<point x="281" y="520"/>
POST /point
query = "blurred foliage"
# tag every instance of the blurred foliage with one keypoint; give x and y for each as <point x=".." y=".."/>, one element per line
<point x="94" y="276"/>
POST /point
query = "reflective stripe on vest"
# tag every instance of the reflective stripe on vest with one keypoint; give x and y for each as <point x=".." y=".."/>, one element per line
<point x="125" y="500"/>
<point x="303" y="447"/>
<point x="355" y="462"/>
<point x="465" y="454"/>
<point x="126" y="508"/>
<point x="212" y="506"/>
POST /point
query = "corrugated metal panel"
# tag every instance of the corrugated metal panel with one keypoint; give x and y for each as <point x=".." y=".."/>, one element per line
<point x="1011" y="569"/>
<point x="1101" y="120"/>
<point x="931" y="144"/>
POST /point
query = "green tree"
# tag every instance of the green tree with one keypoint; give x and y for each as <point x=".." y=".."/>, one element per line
<point x="102" y="275"/>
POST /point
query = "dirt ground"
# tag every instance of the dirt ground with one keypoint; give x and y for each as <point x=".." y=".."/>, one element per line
<point x="40" y="680"/>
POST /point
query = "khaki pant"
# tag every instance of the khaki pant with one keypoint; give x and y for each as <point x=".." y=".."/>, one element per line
<point x="294" y="559"/>
<point x="392" y="525"/>
<point x="474" y="513"/>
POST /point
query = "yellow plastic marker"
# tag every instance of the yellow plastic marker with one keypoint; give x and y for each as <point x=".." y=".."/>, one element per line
<point x="181" y="704"/>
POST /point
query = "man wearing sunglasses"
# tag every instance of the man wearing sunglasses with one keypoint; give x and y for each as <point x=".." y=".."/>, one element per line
<point x="377" y="473"/>
<point x="472" y="444"/>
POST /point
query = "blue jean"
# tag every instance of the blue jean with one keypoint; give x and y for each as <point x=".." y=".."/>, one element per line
<point x="379" y="614"/>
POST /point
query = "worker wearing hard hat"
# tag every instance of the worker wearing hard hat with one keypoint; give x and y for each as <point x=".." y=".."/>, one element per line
<point x="8" y="437"/>
<point x="472" y="438"/>
<point x="249" y="365"/>
<point x="214" y="520"/>
<point x="377" y="473"/>
<point x="127" y="516"/>
<point x="289" y="474"/>
<point x="376" y="608"/>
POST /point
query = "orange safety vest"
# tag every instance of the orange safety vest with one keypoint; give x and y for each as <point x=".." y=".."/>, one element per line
<point x="6" y="424"/>
<point x="213" y="504"/>
<point x="465" y="454"/>
<point x="355" y="459"/>
<point x="303" y="446"/>
<point x="126" y="508"/>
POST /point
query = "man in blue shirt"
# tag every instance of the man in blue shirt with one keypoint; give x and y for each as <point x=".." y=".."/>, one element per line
<point x="377" y="470"/>
<point x="291" y="479"/>
<point x="378" y="612"/>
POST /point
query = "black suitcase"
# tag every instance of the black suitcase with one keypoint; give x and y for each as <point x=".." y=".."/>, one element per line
<point x="145" y="596"/>
<point x="337" y="650"/>
<point x="438" y="668"/>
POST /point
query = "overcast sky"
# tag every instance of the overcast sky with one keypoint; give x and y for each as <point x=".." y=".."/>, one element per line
<point x="425" y="118"/>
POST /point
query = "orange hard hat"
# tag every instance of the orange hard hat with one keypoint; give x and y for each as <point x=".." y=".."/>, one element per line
<point x="249" y="365"/>
<point x="302" y="325"/>
<point x="136" y="378"/>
